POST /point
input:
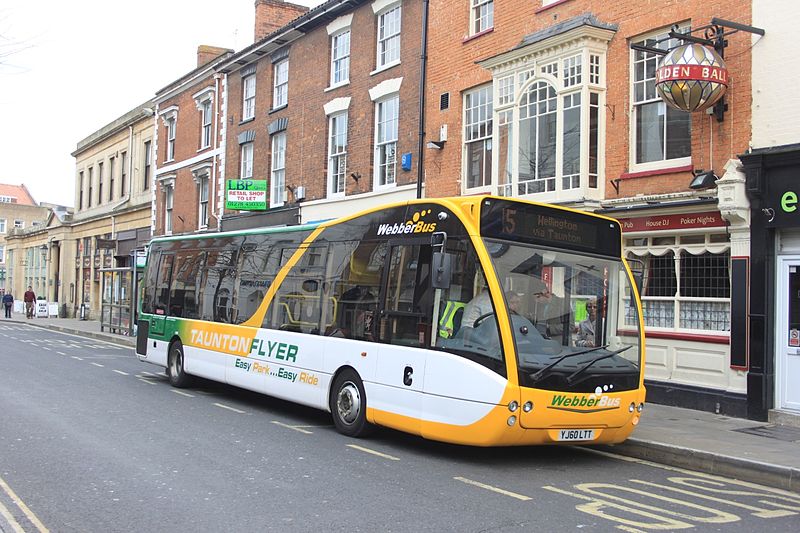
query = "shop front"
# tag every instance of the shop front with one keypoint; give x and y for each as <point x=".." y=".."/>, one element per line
<point x="692" y="303"/>
<point x="774" y="191"/>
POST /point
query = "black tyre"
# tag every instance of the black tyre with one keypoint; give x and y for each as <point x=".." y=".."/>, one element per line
<point x="348" y="404"/>
<point x="177" y="377"/>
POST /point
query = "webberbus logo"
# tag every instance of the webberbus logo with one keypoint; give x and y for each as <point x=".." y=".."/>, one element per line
<point x="579" y="403"/>
<point x="415" y="225"/>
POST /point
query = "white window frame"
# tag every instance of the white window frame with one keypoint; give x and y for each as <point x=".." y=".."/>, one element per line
<point x="19" y="224"/>
<point x="246" y="161"/>
<point x="340" y="58"/>
<point x="280" y="89"/>
<point x="169" y="117"/>
<point x="277" y="195"/>
<point x="172" y="124"/>
<point x="337" y="159"/>
<point x="206" y="121"/>
<point x="680" y="310"/>
<point x="481" y="16"/>
<point x="203" y="185"/>
<point x="472" y="133"/>
<point x="545" y="63"/>
<point x="653" y="98"/>
<point x="249" y="97"/>
<point x="169" y="203"/>
<point x="3" y="225"/>
<point x="387" y="45"/>
<point x="386" y="137"/>
<point x="2" y="254"/>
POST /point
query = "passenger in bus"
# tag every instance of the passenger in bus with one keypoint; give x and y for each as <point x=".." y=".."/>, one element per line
<point x="477" y="307"/>
<point x="585" y="335"/>
<point x="548" y="315"/>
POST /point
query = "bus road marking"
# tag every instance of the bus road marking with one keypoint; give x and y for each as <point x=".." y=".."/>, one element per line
<point x="493" y="489"/>
<point x="22" y="507"/>
<point x="45" y="348"/>
<point x="712" y="477"/>
<point x="176" y="391"/>
<point x="97" y="364"/>
<point x="76" y="357"/>
<point x="61" y="353"/>
<point x="296" y="428"/>
<point x="143" y="380"/>
<point x="9" y="518"/>
<point x="147" y="373"/>
<point x="229" y="408"/>
<point x="121" y="372"/>
<point x="373" y="452"/>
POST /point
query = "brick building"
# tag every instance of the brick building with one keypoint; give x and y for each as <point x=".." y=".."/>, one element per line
<point x="324" y="108"/>
<point x="187" y="149"/>
<point x="547" y="101"/>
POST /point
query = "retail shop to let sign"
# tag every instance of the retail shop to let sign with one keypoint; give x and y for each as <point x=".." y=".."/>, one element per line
<point x="246" y="195"/>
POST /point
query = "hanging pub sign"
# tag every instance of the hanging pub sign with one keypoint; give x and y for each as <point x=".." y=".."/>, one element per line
<point x="691" y="77"/>
<point x="246" y="195"/>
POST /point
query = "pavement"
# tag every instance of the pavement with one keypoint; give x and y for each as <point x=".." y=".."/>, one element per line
<point x="748" y="450"/>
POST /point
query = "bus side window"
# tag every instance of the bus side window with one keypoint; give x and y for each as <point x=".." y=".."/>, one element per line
<point x="218" y="283"/>
<point x="258" y="262"/>
<point x="353" y="285"/>
<point x="183" y="289"/>
<point x="297" y="302"/>
<point x="149" y="292"/>
<point x="161" y="302"/>
<point x="406" y="313"/>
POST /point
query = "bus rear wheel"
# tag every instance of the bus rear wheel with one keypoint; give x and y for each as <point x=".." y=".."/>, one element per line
<point x="348" y="403"/>
<point x="177" y="377"/>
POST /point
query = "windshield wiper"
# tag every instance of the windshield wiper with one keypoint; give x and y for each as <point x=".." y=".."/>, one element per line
<point x="581" y="370"/>
<point x="541" y="374"/>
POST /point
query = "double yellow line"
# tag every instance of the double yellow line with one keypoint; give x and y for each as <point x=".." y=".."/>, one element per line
<point x="5" y="513"/>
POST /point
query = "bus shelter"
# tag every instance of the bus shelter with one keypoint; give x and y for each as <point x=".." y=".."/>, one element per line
<point x="117" y="306"/>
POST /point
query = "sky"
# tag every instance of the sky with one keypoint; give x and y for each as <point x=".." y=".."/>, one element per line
<point x="68" y="68"/>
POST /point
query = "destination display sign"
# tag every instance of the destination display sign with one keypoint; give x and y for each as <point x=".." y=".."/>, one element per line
<point x="534" y="224"/>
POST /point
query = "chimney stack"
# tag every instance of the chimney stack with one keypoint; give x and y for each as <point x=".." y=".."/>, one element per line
<point x="206" y="53"/>
<point x="274" y="14"/>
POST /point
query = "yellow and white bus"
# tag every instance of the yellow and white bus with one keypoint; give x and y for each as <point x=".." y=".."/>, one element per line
<point x="475" y="320"/>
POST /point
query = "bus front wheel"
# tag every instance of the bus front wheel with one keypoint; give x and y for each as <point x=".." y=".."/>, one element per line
<point x="348" y="404"/>
<point x="177" y="376"/>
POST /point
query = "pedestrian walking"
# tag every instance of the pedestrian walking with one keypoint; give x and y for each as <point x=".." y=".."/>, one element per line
<point x="30" y="302"/>
<point x="8" y="303"/>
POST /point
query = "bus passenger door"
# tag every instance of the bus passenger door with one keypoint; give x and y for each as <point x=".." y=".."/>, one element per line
<point x="403" y="329"/>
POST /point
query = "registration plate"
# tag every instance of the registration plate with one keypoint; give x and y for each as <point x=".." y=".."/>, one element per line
<point x="575" y="434"/>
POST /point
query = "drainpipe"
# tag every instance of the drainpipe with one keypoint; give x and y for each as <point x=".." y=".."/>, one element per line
<point x="422" y="69"/>
<point x="212" y="199"/>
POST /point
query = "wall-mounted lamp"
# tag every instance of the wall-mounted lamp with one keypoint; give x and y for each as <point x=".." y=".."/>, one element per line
<point x="703" y="179"/>
<point x="436" y="145"/>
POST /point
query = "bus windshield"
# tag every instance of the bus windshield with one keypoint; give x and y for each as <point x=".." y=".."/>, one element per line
<point x="567" y="314"/>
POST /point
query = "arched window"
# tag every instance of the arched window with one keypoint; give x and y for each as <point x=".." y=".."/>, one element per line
<point x="537" y="138"/>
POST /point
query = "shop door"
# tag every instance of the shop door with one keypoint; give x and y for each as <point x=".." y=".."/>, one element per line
<point x="788" y="334"/>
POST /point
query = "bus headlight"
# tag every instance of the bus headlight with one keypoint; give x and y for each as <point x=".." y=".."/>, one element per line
<point x="527" y="407"/>
<point x="640" y="407"/>
<point x="512" y="420"/>
<point x="513" y="406"/>
<point x="632" y="407"/>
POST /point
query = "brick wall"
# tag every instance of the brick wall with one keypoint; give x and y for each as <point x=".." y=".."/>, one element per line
<point x="307" y="131"/>
<point x="272" y="14"/>
<point x="452" y="68"/>
<point x="188" y="156"/>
